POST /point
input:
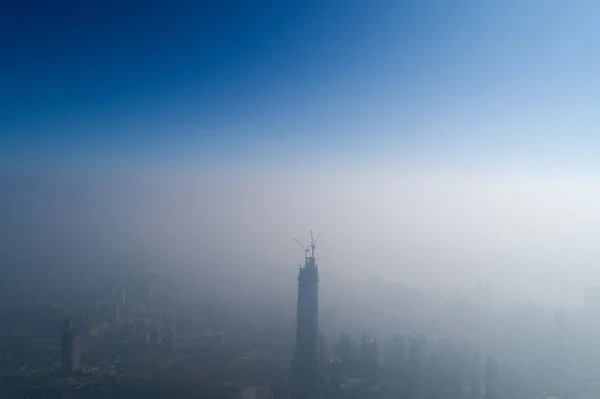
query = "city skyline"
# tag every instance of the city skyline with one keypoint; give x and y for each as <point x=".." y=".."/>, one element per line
<point x="158" y="158"/>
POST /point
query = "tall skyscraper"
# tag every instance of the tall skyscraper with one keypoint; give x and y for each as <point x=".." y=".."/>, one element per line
<point x="70" y="349"/>
<point x="306" y="358"/>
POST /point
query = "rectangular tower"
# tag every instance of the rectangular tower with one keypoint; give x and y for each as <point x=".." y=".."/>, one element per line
<point x="70" y="349"/>
<point x="306" y="358"/>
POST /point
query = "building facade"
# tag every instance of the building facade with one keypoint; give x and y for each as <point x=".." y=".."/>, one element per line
<point x="306" y="357"/>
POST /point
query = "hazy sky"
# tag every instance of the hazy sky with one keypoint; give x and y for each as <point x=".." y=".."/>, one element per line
<point x="431" y="140"/>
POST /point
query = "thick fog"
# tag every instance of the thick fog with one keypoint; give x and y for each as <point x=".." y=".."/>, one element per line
<point x="533" y="235"/>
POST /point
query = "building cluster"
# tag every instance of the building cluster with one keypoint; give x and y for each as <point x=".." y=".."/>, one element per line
<point x="414" y="367"/>
<point x="138" y="335"/>
<point x="156" y="336"/>
<point x="368" y="371"/>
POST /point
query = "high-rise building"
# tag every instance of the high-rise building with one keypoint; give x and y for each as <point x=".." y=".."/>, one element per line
<point x="369" y="358"/>
<point x="306" y="357"/>
<point x="70" y="349"/>
<point x="120" y="297"/>
<point x="155" y="336"/>
<point x="395" y="353"/>
<point x="211" y="314"/>
<point x="418" y="348"/>
<point x="348" y="354"/>
<point x="169" y="339"/>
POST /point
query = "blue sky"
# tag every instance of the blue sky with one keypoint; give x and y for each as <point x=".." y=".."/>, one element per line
<point x="425" y="79"/>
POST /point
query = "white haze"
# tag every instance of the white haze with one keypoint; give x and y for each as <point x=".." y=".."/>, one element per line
<point x="532" y="235"/>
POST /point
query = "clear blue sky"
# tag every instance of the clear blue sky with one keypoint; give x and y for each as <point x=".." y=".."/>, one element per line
<point x="197" y="78"/>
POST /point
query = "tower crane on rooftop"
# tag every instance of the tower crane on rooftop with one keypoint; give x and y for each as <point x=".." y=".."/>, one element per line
<point x="312" y="245"/>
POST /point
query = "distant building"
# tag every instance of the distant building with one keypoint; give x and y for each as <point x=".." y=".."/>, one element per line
<point x="155" y="337"/>
<point x="254" y="306"/>
<point x="418" y="349"/>
<point x="395" y="351"/>
<point x="120" y="297"/>
<point x="109" y="312"/>
<point x="215" y="340"/>
<point x="169" y="339"/>
<point x="337" y="373"/>
<point x="141" y="325"/>
<point x="369" y="358"/>
<point x="348" y="354"/>
<point x="210" y="314"/>
<point x="70" y="348"/>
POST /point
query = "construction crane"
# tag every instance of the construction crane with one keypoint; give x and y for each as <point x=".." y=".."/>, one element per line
<point x="313" y="243"/>
<point x="312" y="246"/>
<point x="302" y="246"/>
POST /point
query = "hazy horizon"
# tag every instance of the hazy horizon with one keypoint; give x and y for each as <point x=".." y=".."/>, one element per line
<point x="433" y="143"/>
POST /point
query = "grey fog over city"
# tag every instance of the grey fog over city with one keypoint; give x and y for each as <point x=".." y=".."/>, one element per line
<point x="299" y="200"/>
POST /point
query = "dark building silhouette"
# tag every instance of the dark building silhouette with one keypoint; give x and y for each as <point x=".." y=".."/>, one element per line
<point x="306" y="357"/>
<point x="337" y="374"/>
<point x="120" y="297"/>
<point x="369" y="357"/>
<point x="347" y="352"/>
<point x="211" y="314"/>
<point x="155" y="336"/>
<point x="395" y="351"/>
<point x="418" y="348"/>
<point x="392" y="375"/>
<point x="169" y="339"/>
<point x="70" y="349"/>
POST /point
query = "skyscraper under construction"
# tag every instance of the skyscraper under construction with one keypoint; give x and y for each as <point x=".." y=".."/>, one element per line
<point x="306" y="357"/>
